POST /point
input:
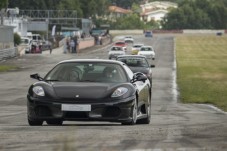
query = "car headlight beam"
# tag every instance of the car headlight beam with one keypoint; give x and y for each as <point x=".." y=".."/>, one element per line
<point x="119" y="92"/>
<point x="38" y="90"/>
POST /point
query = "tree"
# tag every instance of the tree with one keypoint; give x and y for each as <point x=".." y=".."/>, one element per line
<point x="71" y="5"/>
<point x="218" y="15"/>
<point x="128" y="22"/>
<point x="207" y="14"/>
<point x="3" y="4"/>
<point x="17" y="39"/>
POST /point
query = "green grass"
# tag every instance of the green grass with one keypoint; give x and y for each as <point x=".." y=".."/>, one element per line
<point x="202" y="69"/>
<point x="4" y="68"/>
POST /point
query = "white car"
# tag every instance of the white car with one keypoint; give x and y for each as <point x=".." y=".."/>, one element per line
<point x="116" y="51"/>
<point x="26" y="43"/>
<point x="147" y="51"/>
<point x="135" y="48"/>
<point x="129" y="39"/>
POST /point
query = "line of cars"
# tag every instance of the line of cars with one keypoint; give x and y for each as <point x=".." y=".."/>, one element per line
<point x="93" y="90"/>
<point x="137" y="61"/>
<point x="34" y="44"/>
<point x="137" y="49"/>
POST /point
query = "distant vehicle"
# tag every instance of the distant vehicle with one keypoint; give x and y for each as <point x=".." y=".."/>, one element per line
<point x="147" y="51"/>
<point x="36" y="48"/>
<point x="137" y="63"/>
<point x="148" y="34"/>
<point x="89" y="90"/>
<point x="46" y="45"/>
<point x="116" y="51"/>
<point x="129" y="39"/>
<point x="121" y="44"/>
<point x="136" y="48"/>
<point x="37" y="38"/>
<point x="27" y="44"/>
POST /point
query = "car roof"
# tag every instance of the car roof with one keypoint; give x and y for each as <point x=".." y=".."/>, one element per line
<point x="147" y="46"/>
<point x="138" y="44"/>
<point x="91" y="60"/>
<point x="131" y="56"/>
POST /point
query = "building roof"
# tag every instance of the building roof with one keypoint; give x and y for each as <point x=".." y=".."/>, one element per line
<point x="119" y="10"/>
<point x="159" y="4"/>
<point x="149" y="12"/>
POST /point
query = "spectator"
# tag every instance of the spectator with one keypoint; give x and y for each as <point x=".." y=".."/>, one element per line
<point x="50" y="46"/>
<point x="72" y="46"/>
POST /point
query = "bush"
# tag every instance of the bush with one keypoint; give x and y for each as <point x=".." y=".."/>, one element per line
<point x="17" y="39"/>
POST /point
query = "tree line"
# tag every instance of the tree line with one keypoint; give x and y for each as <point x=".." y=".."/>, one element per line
<point x="190" y="14"/>
<point x="197" y="14"/>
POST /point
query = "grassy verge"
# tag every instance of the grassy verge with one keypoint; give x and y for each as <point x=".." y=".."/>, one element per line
<point x="4" y="68"/>
<point x="202" y="69"/>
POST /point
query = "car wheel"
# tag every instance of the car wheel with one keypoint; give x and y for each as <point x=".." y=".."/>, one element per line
<point x="54" y="122"/>
<point x="35" y="122"/>
<point x="134" y="115"/>
<point x="148" y="113"/>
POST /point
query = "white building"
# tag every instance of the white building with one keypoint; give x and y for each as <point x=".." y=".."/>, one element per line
<point x="156" y="10"/>
<point x="19" y="24"/>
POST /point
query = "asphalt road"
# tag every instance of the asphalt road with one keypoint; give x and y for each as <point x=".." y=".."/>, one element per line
<point x="174" y="126"/>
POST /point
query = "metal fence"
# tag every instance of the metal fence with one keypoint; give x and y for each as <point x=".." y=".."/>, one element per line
<point x="8" y="53"/>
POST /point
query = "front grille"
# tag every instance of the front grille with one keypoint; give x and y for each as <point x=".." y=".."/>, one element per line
<point x="78" y="115"/>
<point x="42" y="111"/>
<point x="111" y="112"/>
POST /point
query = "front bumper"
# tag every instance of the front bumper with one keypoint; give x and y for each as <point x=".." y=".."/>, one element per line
<point x="115" y="111"/>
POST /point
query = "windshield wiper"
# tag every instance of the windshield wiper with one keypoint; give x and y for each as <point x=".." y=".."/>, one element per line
<point x="52" y="80"/>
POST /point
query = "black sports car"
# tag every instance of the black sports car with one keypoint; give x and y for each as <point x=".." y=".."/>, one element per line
<point x="98" y="90"/>
<point x="137" y="63"/>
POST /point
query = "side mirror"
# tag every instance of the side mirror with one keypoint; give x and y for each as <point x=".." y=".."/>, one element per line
<point x="36" y="76"/>
<point x="139" y="76"/>
<point x="152" y="66"/>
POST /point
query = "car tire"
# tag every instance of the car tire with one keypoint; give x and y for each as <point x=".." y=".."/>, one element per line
<point x="148" y="113"/>
<point x="134" y="115"/>
<point x="54" y="122"/>
<point x="35" y="122"/>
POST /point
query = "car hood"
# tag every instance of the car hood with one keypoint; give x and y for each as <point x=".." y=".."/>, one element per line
<point x="146" y="52"/>
<point x="139" y="69"/>
<point x="83" y="90"/>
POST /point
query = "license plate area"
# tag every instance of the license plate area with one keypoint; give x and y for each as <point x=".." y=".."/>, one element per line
<point x="76" y="107"/>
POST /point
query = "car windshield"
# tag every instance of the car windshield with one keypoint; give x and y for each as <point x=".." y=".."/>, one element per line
<point x="137" y="46"/>
<point x="24" y="41"/>
<point x="119" y="43"/>
<point x="87" y="72"/>
<point x="146" y="49"/>
<point x="116" y="49"/>
<point x="134" y="62"/>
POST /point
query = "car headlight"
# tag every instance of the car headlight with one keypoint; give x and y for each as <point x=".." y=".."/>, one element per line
<point x="38" y="90"/>
<point x="119" y="92"/>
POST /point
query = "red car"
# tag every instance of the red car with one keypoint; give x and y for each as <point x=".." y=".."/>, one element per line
<point x="121" y="44"/>
<point x="36" y="48"/>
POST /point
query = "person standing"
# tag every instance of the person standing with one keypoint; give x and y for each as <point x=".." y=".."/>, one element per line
<point x="65" y="46"/>
<point x="50" y="46"/>
<point x="76" y="43"/>
<point x="72" y="46"/>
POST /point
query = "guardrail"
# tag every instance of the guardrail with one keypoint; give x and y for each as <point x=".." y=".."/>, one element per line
<point x="8" y="53"/>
